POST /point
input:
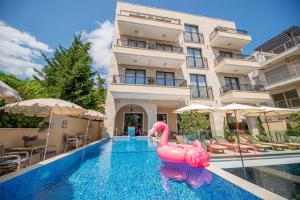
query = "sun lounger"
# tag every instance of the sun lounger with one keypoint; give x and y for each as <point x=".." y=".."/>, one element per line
<point x="233" y="147"/>
<point x="214" y="148"/>
<point x="13" y="161"/>
<point x="275" y="146"/>
<point x="292" y="145"/>
<point x="248" y="141"/>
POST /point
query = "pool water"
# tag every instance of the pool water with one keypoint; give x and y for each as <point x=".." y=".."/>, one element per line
<point x="293" y="169"/>
<point x="121" y="169"/>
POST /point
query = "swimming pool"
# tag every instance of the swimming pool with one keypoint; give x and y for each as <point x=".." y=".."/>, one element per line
<point x="119" y="169"/>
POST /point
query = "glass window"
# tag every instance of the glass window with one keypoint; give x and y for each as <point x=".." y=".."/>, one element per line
<point x="198" y="86"/>
<point x="138" y="44"/>
<point x="162" y="117"/>
<point x="288" y="99"/>
<point x="232" y="83"/>
<point x="133" y="76"/>
<point x="191" y="33"/>
<point x="194" y="58"/>
<point x="165" y="78"/>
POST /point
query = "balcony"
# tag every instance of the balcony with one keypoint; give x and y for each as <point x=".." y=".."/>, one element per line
<point x="281" y="52"/>
<point x="283" y="78"/>
<point x="201" y="92"/>
<point x="148" y="26"/>
<point x="193" y="37"/>
<point x="229" y="38"/>
<point x="288" y="103"/>
<point x="149" y="88"/>
<point x="142" y="53"/>
<point x="244" y="93"/>
<point x="235" y="64"/>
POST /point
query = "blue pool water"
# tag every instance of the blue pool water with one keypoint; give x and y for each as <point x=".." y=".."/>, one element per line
<point x="119" y="169"/>
<point x="293" y="169"/>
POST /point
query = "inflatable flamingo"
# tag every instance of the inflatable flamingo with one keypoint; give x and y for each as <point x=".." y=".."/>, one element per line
<point x="193" y="155"/>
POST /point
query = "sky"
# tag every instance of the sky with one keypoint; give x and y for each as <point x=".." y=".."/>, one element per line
<point x="28" y="27"/>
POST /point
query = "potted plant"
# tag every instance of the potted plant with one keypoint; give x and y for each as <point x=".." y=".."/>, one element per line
<point x="28" y="140"/>
<point x="151" y="81"/>
<point x="194" y="126"/>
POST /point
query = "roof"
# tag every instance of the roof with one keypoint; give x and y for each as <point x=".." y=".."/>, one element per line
<point x="279" y="39"/>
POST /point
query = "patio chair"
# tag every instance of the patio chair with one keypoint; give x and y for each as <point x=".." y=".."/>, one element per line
<point x="212" y="147"/>
<point x="71" y="141"/>
<point x="13" y="161"/>
<point x="275" y="146"/>
<point x="81" y="137"/>
<point x="247" y="140"/>
<point x="233" y="147"/>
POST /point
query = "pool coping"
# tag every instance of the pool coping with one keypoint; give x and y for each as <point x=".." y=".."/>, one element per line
<point x="14" y="174"/>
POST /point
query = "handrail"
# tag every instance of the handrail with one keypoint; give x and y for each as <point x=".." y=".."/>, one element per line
<point x="149" y="17"/>
<point x="228" y="30"/>
<point x="285" y="46"/>
<point x="149" y="45"/>
<point x="241" y="87"/>
<point x="282" y="76"/>
<point x="235" y="56"/>
<point x="136" y="80"/>
<point x="193" y="37"/>
<point x="196" y="62"/>
<point x="201" y="92"/>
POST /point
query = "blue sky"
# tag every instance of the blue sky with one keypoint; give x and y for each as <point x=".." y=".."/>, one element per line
<point x="43" y="25"/>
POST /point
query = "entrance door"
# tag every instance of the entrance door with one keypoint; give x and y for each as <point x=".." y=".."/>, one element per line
<point x="136" y="120"/>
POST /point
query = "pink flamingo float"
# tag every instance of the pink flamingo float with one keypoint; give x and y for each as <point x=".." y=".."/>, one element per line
<point x="193" y="155"/>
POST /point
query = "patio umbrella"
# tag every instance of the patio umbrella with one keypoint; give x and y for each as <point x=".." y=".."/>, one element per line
<point x="44" y="108"/>
<point x="238" y="109"/>
<point x="7" y="92"/>
<point x="195" y="107"/>
<point x="271" y="111"/>
<point x="91" y="115"/>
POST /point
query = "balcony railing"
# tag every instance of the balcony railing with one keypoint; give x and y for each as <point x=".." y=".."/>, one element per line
<point x="228" y="30"/>
<point x="136" y="80"/>
<point x="241" y="87"/>
<point x="193" y="37"/>
<point x="149" y="17"/>
<point x="196" y="62"/>
<point x="285" y="46"/>
<point x="201" y="92"/>
<point x="288" y="103"/>
<point x="283" y="76"/>
<point x="235" y="56"/>
<point x="149" y="45"/>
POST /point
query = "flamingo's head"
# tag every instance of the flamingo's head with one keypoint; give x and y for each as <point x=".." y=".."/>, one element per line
<point x="157" y="126"/>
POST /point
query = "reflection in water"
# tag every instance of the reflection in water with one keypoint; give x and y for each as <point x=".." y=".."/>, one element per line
<point x="195" y="177"/>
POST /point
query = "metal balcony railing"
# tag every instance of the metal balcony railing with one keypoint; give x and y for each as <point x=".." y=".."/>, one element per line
<point x="136" y="80"/>
<point x="228" y="30"/>
<point x="201" y="92"/>
<point x="149" y="45"/>
<point x="241" y="87"/>
<point x="288" y="103"/>
<point x="196" y="62"/>
<point x="235" y="56"/>
<point x="285" y="46"/>
<point x="283" y="76"/>
<point x="193" y="37"/>
<point x="149" y="17"/>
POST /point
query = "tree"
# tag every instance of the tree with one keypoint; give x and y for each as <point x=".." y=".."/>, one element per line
<point x="100" y="93"/>
<point x="194" y="122"/>
<point x="293" y="128"/>
<point x="68" y="74"/>
<point x="261" y="128"/>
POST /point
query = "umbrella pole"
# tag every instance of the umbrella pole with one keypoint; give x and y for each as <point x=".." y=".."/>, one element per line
<point x="86" y="131"/>
<point x="48" y="134"/>
<point x="266" y="119"/>
<point x="238" y="140"/>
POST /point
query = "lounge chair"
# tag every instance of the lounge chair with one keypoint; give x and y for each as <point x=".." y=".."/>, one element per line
<point x="13" y="161"/>
<point x="233" y="147"/>
<point x="275" y="146"/>
<point x="71" y="141"/>
<point x="247" y="140"/>
<point x="212" y="147"/>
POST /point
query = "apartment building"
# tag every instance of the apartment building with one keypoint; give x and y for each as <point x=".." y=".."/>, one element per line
<point x="279" y="69"/>
<point x="163" y="60"/>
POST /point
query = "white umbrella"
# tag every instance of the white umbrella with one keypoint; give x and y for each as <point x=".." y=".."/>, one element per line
<point x="238" y="109"/>
<point x="91" y="115"/>
<point x="271" y="111"/>
<point x="195" y="107"/>
<point x="44" y="108"/>
<point x="7" y="92"/>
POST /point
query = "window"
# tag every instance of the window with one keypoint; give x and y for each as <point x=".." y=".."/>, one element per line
<point x="133" y="76"/>
<point x="165" y="78"/>
<point x="135" y="43"/>
<point x="278" y="74"/>
<point x="163" y="47"/>
<point x="191" y="33"/>
<point x="194" y="58"/>
<point x="288" y="99"/>
<point x="162" y="117"/>
<point x="198" y="86"/>
<point x="226" y="54"/>
<point x="232" y="83"/>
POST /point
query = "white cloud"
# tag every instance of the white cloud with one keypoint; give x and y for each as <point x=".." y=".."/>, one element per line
<point x="101" y="39"/>
<point x="19" y="51"/>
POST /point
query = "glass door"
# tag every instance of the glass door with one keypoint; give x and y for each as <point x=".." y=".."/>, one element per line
<point x="165" y="78"/>
<point x="133" y="76"/>
<point x="194" y="58"/>
<point x="232" y="83"/>
<point x="199" y="86"/>
<point x="134" y="120"/>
